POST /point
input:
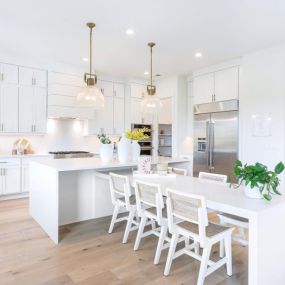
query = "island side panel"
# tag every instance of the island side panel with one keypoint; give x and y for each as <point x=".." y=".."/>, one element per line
<point x="269" y="243"/>
<point x="43" y="201"/>
<point x="76" y="196"/>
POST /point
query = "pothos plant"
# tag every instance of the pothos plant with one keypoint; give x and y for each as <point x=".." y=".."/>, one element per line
<point x="258" y="176"/>
<point x="104" y="139"/>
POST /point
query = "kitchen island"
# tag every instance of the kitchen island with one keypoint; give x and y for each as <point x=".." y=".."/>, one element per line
<point x="65" y="191"/>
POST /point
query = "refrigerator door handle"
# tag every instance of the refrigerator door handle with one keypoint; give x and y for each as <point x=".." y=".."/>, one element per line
<point x="208" y="146"/>
<point x="212" y="140"/>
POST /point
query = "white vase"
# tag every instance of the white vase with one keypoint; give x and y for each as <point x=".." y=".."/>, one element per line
<point x="106" y="152"/>
<point x="252" y="193"/>
<point x="136" y="150"/>
<point x="123" y="149"/>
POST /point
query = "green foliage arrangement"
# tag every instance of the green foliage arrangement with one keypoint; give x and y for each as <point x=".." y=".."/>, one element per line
<point x="259" y="176"/>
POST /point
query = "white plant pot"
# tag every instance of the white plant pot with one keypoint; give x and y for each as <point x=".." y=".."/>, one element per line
<point x="106" y="152"/>
<point x="123" y="149"/>
<point x="136" y="150"/>
<point x="252" y="193"/>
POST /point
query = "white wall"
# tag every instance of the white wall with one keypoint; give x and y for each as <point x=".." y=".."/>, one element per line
<point x="61" y="135"/>
<point x="262" y="90"/>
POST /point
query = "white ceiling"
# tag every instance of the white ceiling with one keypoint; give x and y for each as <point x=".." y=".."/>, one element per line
<point x="221" y="29"/>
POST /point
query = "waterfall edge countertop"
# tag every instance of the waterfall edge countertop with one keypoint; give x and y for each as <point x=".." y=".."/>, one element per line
<point x="74" y="164"/>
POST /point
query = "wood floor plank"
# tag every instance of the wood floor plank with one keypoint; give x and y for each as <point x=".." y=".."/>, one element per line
<point x="87" y="254"/>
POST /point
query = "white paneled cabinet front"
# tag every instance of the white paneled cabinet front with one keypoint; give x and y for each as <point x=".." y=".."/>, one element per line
<point x="10" y="177"/>
<point x="8" y="108"/>
<point x="8" y="73"/>
<point x="119" y="115"/>
<point x="32" y="100"/>
<point x="203" y="88"/>
<point x="165" y="115"/>
<point x="226" y="84"/>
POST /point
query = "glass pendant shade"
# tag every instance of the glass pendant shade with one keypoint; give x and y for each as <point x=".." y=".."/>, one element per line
<point x="151" y="104"/>
<point x="90" y="97"/>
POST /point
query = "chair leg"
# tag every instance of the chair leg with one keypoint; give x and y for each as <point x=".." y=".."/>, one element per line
<point x="187" y="243"/>
<point x="140" y="232"/>
<point x="128" y="226"/>
<point x="196" y="248"/>
<point x="153" y="225"/>
<point x="114" y="217"/>
<point x="171" y="253"/>
<point x="222" y="249"/>
<point x="204" y="265"/>
<point x="163" y="232"/>
<point x="228" y="249"/>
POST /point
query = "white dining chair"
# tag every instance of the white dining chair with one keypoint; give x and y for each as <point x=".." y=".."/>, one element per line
<point x="187" y="217"/>
<point x="239" y="222"/>
<point x="122" y="197"/>
<point x="213" y="177"/>
<point x="150" y="207"/>
<point x="178" y="171"/>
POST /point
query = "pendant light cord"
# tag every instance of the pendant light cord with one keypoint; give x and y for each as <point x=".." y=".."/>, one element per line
<point x="90" y="51"/>
<point x="151" y="65"/>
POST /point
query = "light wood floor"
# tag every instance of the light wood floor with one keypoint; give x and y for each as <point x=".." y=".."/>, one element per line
<point x="89" y="255"/>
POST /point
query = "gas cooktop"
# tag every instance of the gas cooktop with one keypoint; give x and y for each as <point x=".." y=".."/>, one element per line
<point x="70" y="154"/>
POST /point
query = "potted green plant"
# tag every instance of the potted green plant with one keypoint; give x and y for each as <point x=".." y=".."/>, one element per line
<point x="106" y="148"/>
<point x="259" y="182"/>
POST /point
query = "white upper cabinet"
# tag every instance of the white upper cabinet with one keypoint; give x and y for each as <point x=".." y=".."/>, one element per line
<point x="119" y="115"/>
<point x="165" y="114"/>
<point x="107" y="88"/>
<point x="31" y="76"/>
<point x="203" y="88"/>
<point x="226" y="84"/>
<point x="135" y="108"/>
<point x="119" y="90"/>
<point x="138" y="90"/>
<point x="32" y="100"/>
<point x="8" y="108"/>
<point x="220" y="85"/>
<point x="8" y="73"/>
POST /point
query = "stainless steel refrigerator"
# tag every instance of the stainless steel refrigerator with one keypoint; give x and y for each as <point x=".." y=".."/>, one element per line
<point x="216" y="137"/>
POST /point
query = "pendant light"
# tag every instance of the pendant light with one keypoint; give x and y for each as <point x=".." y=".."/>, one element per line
<point x="151" y="103"/>
<point x="90" y="96"/>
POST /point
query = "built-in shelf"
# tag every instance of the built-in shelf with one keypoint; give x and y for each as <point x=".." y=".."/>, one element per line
<point x="165" y="145"/>
<point x="165" y="135"/>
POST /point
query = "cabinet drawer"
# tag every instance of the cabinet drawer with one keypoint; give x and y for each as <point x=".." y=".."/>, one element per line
<point x="9" y="161"/>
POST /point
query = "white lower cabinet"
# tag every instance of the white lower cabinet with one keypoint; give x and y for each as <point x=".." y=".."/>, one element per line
<point x="10" y="176"/>
<point x="14" y="175"/>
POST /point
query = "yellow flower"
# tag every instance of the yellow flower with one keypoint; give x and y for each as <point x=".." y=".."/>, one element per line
<point x="137" y="134"/>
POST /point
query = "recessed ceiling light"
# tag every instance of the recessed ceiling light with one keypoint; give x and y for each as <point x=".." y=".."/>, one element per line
<point x="146" y="73"/>
<point x="85" y="58"/>
<point x="198" y="54"/>
<point x="130" y="32"/>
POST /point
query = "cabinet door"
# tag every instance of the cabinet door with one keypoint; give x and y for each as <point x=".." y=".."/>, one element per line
<point x="105" y="117"/>
<point x="119" y="115"/>
<point x="119" y="90"/>
<point x="226" y="84"/>
<point x="9" y="73"/>
<point x="40" y="100"/>
<point x="9" y="108"/>
<point x="11" y="176"/>
<point x="165" y="115"/>
<point x="26" y="76"/>
<point x="138" y="90"/>
<point x="106" y="87"/>
<point x="40" y="78"/>
<point x="26" y="107"/>
<point x="136" y="116"/>
<point x="203" y="88"/>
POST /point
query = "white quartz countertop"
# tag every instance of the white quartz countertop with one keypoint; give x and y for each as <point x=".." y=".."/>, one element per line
<point x="88" y="163"/>
<point x="31" y="155"/>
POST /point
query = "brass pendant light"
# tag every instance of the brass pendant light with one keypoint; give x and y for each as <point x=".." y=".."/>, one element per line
<point x="90" y="96"/>
<point x="151" y="103"/>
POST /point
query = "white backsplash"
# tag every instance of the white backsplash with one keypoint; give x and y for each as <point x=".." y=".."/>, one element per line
<point x="62" y="134"/>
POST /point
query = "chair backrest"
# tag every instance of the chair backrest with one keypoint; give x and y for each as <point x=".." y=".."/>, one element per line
<point x="149" y="195"/>
<point x="179" y="171"/>
<point x="120" y="187"/>
<point x="187" y="207"/>
<point x="213" y="177"/>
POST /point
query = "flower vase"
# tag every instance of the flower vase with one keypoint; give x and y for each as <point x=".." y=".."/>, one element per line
<point x="123" y="149"/>
<point x="136" y="150"/>
<point x="106" y="152"/>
